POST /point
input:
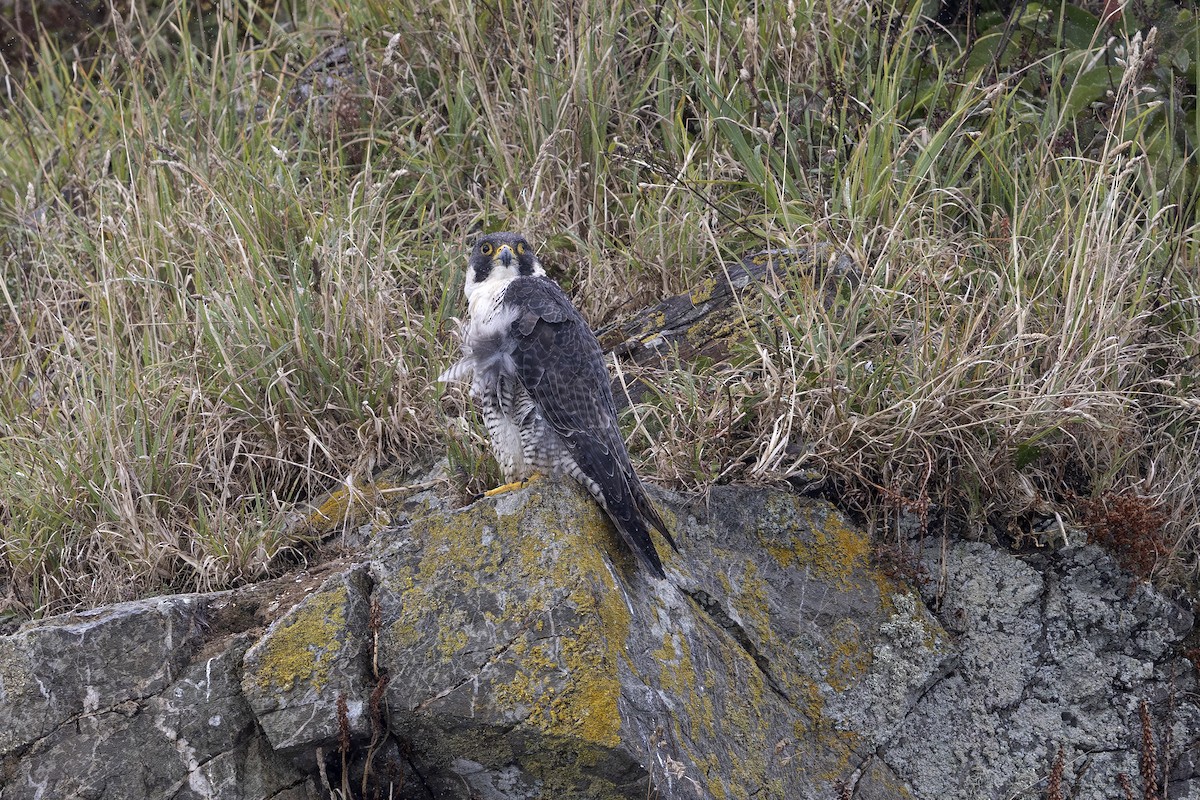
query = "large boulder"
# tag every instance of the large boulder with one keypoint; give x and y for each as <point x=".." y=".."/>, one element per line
<point x="527" y="649"/>
<point x="129" y="701"/>
<point x="514" y="649"/>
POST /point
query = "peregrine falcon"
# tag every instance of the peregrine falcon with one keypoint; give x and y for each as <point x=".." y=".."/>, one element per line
<point x="538" y="374"/>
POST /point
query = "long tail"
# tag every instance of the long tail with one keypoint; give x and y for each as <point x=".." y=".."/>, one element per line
<point x="637" y="536"/>
<point x="633" y="516"/>
<point x="650" y="514"/>
<point x="602" y="466"/>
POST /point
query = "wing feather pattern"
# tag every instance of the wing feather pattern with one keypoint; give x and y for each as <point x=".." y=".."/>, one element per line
<point x="561" y="365"/>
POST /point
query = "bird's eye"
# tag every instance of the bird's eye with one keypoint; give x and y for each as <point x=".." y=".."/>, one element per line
<point x="486" y="248"/>
<point x="520" y="248"/>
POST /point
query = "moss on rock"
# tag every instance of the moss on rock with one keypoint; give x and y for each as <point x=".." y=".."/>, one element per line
<point x="300" y="649"/>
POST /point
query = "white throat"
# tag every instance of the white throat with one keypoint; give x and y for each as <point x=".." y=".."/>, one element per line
<point x="484" y="298"/>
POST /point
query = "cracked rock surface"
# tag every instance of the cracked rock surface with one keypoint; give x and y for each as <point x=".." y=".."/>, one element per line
<point x="513" y="649"/>
<point x="1060" y="652"/>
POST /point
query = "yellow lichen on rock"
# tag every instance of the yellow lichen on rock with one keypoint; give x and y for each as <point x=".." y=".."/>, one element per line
<point x="836" y="553"/>
<point x="677" y="676"/>
<point x="750" y="601"/>
<point x="564" y="684"/>
<point x="347" y="504"/>
<point x="586" y="660"/>
<point x="811" y="702"/>
<point x="817" y="733"/>
<point x="460" y="548"/>
<point x="849" y="657"/>
<point x="298" y="651"/>
<point x="839" y="551"/>
<point x="744" y="723"/>
<point x="565" y="693"/>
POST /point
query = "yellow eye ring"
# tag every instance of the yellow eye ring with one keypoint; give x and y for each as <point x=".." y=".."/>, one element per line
<point x="486" y="248"/>
<point x="520" y="248"/>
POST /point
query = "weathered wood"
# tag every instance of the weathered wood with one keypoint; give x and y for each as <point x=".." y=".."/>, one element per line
<point x="705" y="322"/>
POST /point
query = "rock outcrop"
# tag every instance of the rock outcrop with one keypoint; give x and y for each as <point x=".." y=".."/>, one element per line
<point x="1058" y="653"/>
<point x="513" y="649"/>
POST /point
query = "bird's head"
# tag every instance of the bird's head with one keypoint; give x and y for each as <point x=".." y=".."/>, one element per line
<point x="500" y="257"/>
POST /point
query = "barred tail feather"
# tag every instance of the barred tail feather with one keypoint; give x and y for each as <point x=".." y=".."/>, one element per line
<point x="459" y="371"/>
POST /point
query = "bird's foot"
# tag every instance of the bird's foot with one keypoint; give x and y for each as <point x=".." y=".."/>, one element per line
<point x="508" y="487"/>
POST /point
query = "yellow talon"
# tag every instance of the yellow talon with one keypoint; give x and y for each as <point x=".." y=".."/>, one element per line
<point x="508" y="487"/>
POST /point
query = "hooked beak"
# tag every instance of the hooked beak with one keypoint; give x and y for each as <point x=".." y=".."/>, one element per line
<point x="504" y="254"/>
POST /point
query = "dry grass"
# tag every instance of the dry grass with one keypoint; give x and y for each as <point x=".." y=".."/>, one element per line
<point x="224" y="293"/>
